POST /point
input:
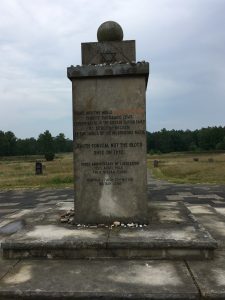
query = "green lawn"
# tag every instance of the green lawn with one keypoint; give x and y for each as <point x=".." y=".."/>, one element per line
<point x="19" y="172"/>
<point x="182" y="168"/>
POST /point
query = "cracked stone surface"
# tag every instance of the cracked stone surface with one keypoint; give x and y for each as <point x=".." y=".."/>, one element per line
<point x="157" y="279"/>
<point x="129" y="278"/>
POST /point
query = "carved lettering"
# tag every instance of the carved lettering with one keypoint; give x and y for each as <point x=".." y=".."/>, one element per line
<point x="107" y="129"/>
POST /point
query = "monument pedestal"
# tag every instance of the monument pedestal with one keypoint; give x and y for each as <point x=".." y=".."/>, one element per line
<point x="159" y="240"/>
<point x="110" y="185"/>
<point x="110" y="165"/>
<point x="109" y="127"/>
<point x="110" y="170"/>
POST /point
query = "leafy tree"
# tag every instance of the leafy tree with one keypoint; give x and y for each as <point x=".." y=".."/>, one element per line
<point x="60" y="143"/>
<point x="7" y="143"/>
<point x="210" y="138"/>
<point x="26" y="146"/>
<point x="221" y="145"/>
<point x="45" y="143"/>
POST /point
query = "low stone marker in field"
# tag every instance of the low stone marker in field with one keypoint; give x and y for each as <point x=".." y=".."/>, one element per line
<point x="109" y="125"/>
<point x="155" y="163"/>
<point x="38" y="168"/>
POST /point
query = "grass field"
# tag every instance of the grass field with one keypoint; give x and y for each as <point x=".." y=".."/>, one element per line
<point x="181" y="168"/>
<point x="19" y="172"/>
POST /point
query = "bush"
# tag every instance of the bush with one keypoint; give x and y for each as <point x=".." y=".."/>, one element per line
<point x="152" y="152"/>
<point x="49" y="156"/>
<point x="60" y="180"/>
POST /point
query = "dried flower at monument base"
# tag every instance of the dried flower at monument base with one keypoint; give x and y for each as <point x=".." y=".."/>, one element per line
<point x="70" y="221"/>
<point x="68" y="214"/>
<point x="64" y="220"/>
<point x="64" y="215"/>
<point x="116" y="223"/>
<point x="71" y="213"/>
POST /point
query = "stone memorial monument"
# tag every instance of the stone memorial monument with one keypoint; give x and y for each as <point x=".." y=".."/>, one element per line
<point x="109" y="127"/>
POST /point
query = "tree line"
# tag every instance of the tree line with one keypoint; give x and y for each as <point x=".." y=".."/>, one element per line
<point x="45" y="143"/>
<point x="204" y="139"/>
<point x="165" y="141"/>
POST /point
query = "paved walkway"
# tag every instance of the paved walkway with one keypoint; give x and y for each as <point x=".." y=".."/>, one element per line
<point x="118" y="280"/>
<point x="213" y="195"/>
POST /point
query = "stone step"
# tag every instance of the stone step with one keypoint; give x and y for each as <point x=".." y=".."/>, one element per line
<point x="156" y="241"/>
<point x="94" y="279"/>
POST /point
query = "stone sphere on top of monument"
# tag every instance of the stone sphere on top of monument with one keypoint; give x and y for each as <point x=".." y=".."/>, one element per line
<point x="110" y="31"/>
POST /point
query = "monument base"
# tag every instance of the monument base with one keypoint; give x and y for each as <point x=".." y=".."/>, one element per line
<point x="173" y="233"/>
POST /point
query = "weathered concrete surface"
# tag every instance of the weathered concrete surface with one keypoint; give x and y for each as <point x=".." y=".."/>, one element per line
<point x="166" y="236"/>
<point x="171" y="212"/>
<point x="213" y="221"/>
<point x="6" y="266"/>
<point x="210" y="279"/>
<point x="210" y="276"/>
<point x="110" y="149"/>
<point x="108" y="52"/>
<point x="172" y="235"/>
<point x="99" y="280"/>
<point x="120" y="70"/>
<point x="52" y="241"/>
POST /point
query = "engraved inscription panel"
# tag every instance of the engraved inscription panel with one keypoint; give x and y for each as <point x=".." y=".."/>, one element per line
<point x="103" y="125"/>
<point x="110" y="148"/>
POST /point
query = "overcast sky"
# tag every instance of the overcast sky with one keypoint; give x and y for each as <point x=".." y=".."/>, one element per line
<point x="184" y="41"/>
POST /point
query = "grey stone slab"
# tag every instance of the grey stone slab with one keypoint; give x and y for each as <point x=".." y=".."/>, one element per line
<point x="57" y="236"/>
<point x="8" y="204"/>
<point x="175" y="197"/>
<point x="209" y="196"/>
<point x="164" y="236"/>
<point x="110" y="150"/>
<point x="158" y="241"/>
<point x="220" y="210"/>
<point x="19" y="214"/>
<point x="135" y="69"/>
<point x="5" y="266"/>
<point x="168" y="212"/>
<point x="17" y="196"/>
<point x="218" y="202"/>
<point x="99" y="280"/>
<point x="4" y="222"/>
<point x="102" y="52"/>
<point x="210" y="276"/>
<point x="7" y="210"/>
<point x="215" y="224"/>
<point x="41" y="209"/>
<point x="164" y="203"/>
<point x="186" y="194"/>
<point x="65" y="205"/>
<point x="11" y="227"/>
<point x="36" y="217"/>
<point x="195" y="200"/>
<point x="45" y="204"/>
<point x="201" y="209"/>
